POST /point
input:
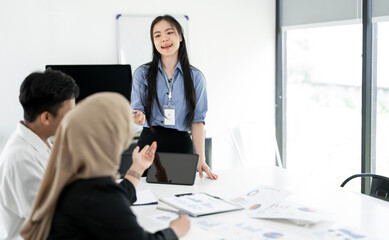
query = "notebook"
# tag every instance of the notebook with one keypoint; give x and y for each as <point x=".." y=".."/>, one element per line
<point x="173" y="168"/>
<point x="145" y="197"/>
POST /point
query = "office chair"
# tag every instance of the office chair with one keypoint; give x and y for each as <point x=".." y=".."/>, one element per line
<point x="379" y="187"/>
<point x="126" y="159"/>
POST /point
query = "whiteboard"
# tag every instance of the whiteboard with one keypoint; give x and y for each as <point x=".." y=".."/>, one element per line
<point x="133" y="38"/>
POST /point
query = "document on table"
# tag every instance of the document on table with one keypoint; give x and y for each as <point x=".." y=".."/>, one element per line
<point x="341" y="233"/>
<point x="294" y="212"/>
<point x="200" y="204"/>
<point x="145" y="197"/>
<point x="260" y="197"/>
<point x="268" y="203"/>
<point x="235" y="228"/>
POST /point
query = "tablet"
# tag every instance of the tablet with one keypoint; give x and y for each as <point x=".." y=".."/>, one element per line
<point x="173" y="168"/>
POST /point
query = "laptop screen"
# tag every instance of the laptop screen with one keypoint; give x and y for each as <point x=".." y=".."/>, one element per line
<point x="173" y="168"/>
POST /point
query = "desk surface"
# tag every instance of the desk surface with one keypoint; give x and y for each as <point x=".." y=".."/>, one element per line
<point x="350" y="209"/>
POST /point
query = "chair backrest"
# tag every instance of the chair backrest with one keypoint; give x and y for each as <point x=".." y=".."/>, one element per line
<point x="379" y="187"/>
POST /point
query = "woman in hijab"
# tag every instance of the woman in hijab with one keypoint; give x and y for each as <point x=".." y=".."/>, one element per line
<point x="78" y="197"/>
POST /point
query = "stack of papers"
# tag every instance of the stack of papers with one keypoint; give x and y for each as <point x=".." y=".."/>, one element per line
<point x="293" y="212"/>
<point x="260" y="197"/>
<point x="269" y="203"/>
<point x="200" y="204"/>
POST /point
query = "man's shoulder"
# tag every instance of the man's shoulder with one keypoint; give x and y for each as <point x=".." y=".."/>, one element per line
<point x="17" y="151"/>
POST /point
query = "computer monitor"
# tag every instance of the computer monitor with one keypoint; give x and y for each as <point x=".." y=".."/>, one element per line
<point x="99" y="78"/>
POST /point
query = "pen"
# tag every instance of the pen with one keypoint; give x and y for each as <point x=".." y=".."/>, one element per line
<point x="179" y="212"/>
<point x="213" y="196"/>
<point x="168" y="210"/>
<point x="183" y="194"/>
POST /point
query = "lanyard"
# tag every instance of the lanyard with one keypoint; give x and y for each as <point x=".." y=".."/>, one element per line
<point x="169" y="86"/>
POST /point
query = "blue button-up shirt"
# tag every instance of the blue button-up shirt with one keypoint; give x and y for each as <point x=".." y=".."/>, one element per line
<point x="139" y="92"/>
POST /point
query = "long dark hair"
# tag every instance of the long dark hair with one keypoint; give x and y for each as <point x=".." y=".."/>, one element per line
<point x="190" y="94"/>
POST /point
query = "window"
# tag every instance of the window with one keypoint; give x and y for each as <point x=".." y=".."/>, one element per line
<point x="382" y="127"/>
<point x="323" y="101"/>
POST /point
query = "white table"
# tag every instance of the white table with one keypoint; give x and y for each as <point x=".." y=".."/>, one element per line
<point x="350" y="209"/>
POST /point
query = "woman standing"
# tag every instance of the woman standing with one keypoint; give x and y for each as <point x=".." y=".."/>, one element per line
<point x="169" y="95"/>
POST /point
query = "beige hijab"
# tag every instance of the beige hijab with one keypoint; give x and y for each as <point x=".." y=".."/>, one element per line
<point x="89" y="143"/>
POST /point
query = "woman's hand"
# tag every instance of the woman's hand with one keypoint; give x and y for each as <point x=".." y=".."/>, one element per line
<point x="202" y="166"/>
<point x="141" y="160"/>
<point x="139" y="117"/>
<point x="180" y="226"/>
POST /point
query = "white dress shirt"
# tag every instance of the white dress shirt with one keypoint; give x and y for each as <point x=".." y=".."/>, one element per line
<point x="22" y="165"/>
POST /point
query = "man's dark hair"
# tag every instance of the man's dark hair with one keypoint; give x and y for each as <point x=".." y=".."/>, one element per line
<point x="46" y="91"/>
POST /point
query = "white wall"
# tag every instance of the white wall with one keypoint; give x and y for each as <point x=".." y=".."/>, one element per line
<point x="232" y="42"/>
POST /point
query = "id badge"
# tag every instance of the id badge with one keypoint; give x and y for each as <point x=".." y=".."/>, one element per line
<point x="170" y="115"/>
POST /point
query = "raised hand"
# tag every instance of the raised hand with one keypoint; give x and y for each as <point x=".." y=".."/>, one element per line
<point x="144" y="158"/>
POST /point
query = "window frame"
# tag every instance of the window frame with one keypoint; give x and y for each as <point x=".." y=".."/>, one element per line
<point x="369" y="91"/>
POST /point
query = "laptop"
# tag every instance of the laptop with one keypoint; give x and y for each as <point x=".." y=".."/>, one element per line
<point x="173" y="168"/>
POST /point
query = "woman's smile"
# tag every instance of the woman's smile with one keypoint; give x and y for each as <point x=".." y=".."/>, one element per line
<point x="167" y="46"/>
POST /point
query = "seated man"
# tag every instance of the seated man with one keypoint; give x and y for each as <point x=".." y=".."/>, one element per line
<point x="46" y="97"/>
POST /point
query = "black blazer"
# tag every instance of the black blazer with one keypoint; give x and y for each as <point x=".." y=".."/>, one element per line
<point x="98" y="208"/>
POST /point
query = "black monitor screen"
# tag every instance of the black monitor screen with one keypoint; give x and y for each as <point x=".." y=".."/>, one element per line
<point x="99" y="78"/>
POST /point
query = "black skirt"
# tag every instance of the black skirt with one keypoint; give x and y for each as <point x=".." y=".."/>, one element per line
<point x="168" y="140"/>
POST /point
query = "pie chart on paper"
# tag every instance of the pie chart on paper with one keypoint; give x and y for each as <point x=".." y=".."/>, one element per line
<point x="273" y="235"/>
<point x="255" y="206"/>
<point x="251" y="193"/>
